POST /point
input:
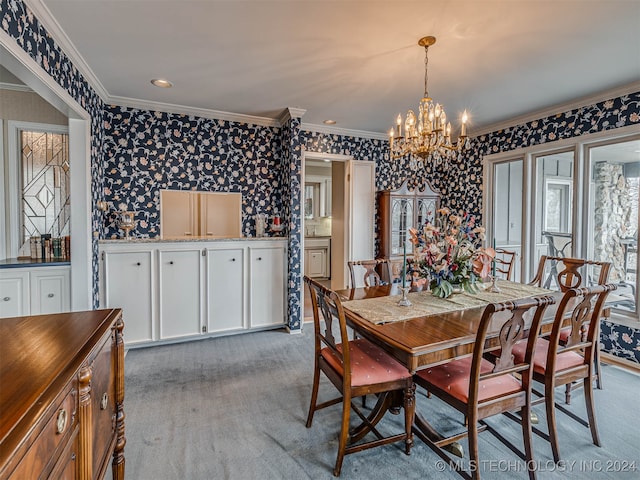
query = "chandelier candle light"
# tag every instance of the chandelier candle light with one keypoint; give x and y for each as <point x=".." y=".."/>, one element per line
<point x="427" y="135"/>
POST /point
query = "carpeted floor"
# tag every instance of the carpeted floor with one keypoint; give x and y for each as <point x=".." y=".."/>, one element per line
<point x="235" y="407"/>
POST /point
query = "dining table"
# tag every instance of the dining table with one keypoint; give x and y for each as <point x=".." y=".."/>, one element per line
<point x="431" y="331"/>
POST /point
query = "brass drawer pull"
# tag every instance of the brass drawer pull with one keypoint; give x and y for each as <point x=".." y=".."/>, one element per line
<point x="61" y="422"/>
<point x="104" y="402"/>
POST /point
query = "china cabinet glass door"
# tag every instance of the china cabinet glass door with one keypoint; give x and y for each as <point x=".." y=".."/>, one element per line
<point x="401" y="222"/>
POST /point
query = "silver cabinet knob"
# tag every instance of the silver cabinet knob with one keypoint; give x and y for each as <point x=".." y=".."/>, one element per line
<point x="233" y="259"/>
<point x="6" y="299"/>
<point x="51" y="295"/>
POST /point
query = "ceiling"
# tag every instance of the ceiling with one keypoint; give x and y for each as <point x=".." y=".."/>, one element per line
<point x="355" y="62"/>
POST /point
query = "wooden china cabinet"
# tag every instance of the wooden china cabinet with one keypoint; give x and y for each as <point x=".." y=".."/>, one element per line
<point x="398" y="211"/>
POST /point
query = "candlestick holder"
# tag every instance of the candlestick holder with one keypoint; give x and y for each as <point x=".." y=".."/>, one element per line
<point x="494" y="285"/>
<point x="404" y="301"/>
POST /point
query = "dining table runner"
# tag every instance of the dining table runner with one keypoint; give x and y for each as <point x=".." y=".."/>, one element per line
<point x="386" y="309"/>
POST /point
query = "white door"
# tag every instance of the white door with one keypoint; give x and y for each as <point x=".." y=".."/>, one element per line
<point x="225" y="287"/>
<point x="127" y="285"/>
<point x="179" y="293"/>
<point x="267" y="286"/>
<point x="49" y="290"/>
<point x="353" y="217"/>
<point x="14" y="293"/>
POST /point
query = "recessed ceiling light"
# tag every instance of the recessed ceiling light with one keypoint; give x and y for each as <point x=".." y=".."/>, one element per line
<point x="329" y="122"/>
<point x="327" y="160"/>
<point x="162" y="83"/>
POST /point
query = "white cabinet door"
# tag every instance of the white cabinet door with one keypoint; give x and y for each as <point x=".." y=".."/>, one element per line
<point x="267" y="286"/>
<point x="178" y="213"/>
<point x="14" y="293"/>
<point x="50" y="290"/>
<point x="128" y="285"/>
<point x="316" y="262"/>
<point x="179" y="293"/>
<point x="225" y="287"/>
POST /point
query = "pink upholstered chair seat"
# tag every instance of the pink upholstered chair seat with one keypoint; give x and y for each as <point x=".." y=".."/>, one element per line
<point x="564" y="360"/>
<point x="453" y="377"/>
<point x="369" y="363"/>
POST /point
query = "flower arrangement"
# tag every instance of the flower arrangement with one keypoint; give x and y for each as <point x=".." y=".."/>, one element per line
<point x="448" y="253"/>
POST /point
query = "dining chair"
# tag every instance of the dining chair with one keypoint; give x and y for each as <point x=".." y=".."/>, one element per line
<point x="558" y="363"/>
<point x="370" y="277"/>
<point x="504" y="262"/>
<point x="479" y="389"/>
<point x="572" y="276"/>
<point x="356" y="368"/>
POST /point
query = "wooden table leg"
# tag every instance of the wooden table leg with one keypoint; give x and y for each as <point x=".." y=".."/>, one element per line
<point x="426" y="433"/>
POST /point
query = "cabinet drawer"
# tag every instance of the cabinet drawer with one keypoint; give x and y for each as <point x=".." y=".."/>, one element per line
<point x="102" y="406"/>
<point x="67" y="466"/>
<point x="57" y="433"/>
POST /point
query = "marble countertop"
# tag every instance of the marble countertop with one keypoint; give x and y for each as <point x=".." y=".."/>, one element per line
<point x="208" y="238"/>
<point x="33" y="262"/>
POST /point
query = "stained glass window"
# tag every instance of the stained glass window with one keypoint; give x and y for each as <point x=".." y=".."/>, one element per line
<point x="45" y="185"/>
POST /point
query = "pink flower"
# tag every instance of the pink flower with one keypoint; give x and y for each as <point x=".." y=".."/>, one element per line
<point x="482" y="261"/>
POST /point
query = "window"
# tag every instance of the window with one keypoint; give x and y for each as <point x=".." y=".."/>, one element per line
<point x="39" y="182"/>
<point x="582" y="198"/>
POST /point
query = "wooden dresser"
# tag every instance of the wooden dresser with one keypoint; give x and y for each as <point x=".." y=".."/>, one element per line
<point x="61" y="396"/>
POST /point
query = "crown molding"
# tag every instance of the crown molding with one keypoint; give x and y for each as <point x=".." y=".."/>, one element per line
<point x="44" y="16"/>
<point x="559" y="108"/>
<point x="289" y="113"/>
<point x="195" y="111"/>
<point x="343" y="131"/>
<point x="15" y="87"/>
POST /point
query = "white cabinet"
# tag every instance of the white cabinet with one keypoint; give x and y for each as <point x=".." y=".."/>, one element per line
<point x="34" y="290"/>
<point x="225" y="289"/>
<point x="267" y="286"/>
<point x="14" y="292"/>
<point x="179" y="293"/>
<point x="315" y="262"/>
<point x="49" y="290"/>
<point x="126" y="282"/>
<point x="317" y="257"/>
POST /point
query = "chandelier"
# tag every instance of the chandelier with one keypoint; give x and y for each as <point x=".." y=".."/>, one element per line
<point x="426" y="136"/>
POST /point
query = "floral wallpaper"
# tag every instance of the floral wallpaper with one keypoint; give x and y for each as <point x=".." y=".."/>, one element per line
<point x="620" y="340"/>
<point x="464" y="191"/>
<point x="292" y="172"/>
<point x="20" y="23"/>
<point x="136" y="153"/>
<point x="145" y="152"/>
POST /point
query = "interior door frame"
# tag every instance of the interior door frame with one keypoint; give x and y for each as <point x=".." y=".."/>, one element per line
<point x="311" y="155"/>
<point x="20" y="63"/>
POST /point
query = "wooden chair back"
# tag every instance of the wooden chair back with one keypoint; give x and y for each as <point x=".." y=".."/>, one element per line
<point x="371" y="277"/>
<point x="510" y="316"/>
<point x="504" y="263"/>
<point x="330" y="328"/>
<point x="572" y="275"/>
<point x="577" y="307"/>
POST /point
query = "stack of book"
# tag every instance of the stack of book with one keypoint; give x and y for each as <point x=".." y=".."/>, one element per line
<point x="44" y="247"/>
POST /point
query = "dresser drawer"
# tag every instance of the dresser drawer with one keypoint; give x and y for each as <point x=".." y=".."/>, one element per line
<point x="59" y="429"/>
<point x="103" y="407"/>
